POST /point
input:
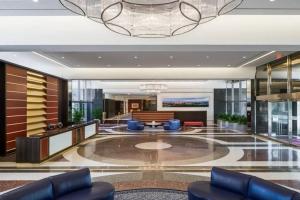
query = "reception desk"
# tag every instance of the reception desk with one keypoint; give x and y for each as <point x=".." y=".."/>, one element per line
<point x="40" y="147"/>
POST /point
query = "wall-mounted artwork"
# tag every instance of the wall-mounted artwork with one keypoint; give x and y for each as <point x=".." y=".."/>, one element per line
<point x="135" y="105"/>
<point x="186" y="102"/>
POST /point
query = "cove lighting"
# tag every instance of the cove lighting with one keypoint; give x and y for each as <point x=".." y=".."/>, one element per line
<point x="50" y="59"/>
<point x="258" y="58"/>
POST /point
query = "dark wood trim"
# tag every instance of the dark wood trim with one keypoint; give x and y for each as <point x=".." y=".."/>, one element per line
<point x="63" y="101"/>
<point x="2" y="109"/>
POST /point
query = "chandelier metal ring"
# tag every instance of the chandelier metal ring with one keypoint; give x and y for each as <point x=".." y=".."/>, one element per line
<point x="174" y="33"/>
<point x="108" y="25"/>
<point x="237" y="4"/>
<point x="151" y="18"/>
<point x="73" y="4"/>
<point x="117" y="15"/>
<point x="188" y="4"/>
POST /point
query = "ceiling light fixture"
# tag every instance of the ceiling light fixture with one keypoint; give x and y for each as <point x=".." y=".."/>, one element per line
<point x="153" y="88"/>
<point x="258" y="58"/>
<point x="50" y="59"/>
<point x="151" y="18"/>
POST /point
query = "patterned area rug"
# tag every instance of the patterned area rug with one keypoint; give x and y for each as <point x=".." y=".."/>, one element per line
<point x="151" y="194"/>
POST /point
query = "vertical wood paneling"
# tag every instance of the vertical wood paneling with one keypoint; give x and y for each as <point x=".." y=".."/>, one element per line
<point x="44" y="148"/>
<point x="15" y="109"/>
<point x="52" y="100"/>
<point x="29" y="102"/>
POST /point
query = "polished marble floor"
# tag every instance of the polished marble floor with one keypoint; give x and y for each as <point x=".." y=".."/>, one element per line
<point x="164" y="159"/>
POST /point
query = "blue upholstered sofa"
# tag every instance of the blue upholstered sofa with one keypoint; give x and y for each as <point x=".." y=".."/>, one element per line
<point x="172" y="125"/>
<point x="229" y="185"/>
<point x="76" y="185"/>
<point x="135" y="125"/>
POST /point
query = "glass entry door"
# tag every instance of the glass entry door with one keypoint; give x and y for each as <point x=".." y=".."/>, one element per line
<point x="280" y="120"/>
<point x="295" y="123"/>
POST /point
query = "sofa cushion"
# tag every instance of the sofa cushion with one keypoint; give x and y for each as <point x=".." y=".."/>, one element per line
<point x="99" y="191"/>
<point x="202" y="190"/>
<point x="71" y="181"/>
<point x="260" y="189"/>
<point x="38" y="190"/>
<point x="230" y="180"/>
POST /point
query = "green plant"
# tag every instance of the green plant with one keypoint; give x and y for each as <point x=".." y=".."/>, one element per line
<point x="77" y="115"/>
<point x="233" y="118"/>
<point x="243" y="120"/>
<point x="97" y="113"/>
<point x="222" y="116"/>
<point x="227" y="117"/>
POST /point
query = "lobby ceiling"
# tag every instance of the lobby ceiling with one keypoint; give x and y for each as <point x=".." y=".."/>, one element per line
<point x="160" y="59"/>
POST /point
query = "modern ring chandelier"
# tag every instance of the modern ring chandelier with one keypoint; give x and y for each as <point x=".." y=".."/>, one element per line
<point x="151" y="18"/>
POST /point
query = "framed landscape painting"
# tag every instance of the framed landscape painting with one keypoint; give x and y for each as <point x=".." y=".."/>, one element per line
<point x="186" y="102"/>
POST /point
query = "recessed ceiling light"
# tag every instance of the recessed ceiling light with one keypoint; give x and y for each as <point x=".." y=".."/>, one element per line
<point x="136" y="57"/>
<point x="272" y="0"/>
<point x="99" y="57"/>
<point x="169" y="65"/>
<point x="207" y="57"/>
<point x="63" y="57"/>
<point x="35" y="1"/>
<point x="228" y="65"/>
<point x="244" y="57"/>
<point x="171" y="57"/>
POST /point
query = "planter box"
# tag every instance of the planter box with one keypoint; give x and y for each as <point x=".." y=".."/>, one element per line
<point x="242" y="127"/>
<point x="234" y="126"/>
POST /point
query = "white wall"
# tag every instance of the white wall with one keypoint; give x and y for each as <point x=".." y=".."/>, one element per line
<point x="210" y="109"/>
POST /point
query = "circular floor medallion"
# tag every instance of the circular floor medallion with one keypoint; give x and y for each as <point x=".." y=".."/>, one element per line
<point x="125" y="150"/>
<point x="153" y="145"/>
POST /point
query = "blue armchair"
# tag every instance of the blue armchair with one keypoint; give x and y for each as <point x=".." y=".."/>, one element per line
<point x="172" y="125"/>
<point x="135" y="125"/>
<point x="230" y="185"/>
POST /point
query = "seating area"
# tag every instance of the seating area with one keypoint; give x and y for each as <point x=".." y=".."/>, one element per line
<point x="172" y="125"/>
<point x="135" y="125"/>
<point x="76" y="185"/>
<point x="230" y="185"/>
<point x="193" y="123"/>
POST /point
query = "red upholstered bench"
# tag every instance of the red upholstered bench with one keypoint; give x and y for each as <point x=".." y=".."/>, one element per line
<point x="193" y="123"/>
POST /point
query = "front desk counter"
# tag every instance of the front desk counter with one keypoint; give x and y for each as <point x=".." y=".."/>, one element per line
<point x="40" y="147"/>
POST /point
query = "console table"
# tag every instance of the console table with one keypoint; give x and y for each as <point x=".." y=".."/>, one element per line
<point x="40" y="147"/>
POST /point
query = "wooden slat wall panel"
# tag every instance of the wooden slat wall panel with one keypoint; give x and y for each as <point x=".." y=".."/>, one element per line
<point x="15" y="105"/>
<point x="36" y="109"/>
<point x="52" y="100"/>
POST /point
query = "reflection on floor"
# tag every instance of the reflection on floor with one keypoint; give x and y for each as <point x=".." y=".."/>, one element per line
<point x="163" y="159"/>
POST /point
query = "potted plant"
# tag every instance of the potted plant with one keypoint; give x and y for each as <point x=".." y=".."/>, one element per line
<point x="226" y="121"/>
<point x="234" y="122"/>
<point x="97" y="114"/>
<point x="242" y="126"/>
<point x="77" y="115"/>
<point x="221" y="120"/>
